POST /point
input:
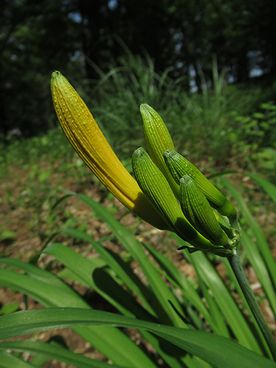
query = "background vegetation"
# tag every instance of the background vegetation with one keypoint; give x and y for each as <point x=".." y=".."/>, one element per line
<point x="79" y="37"/>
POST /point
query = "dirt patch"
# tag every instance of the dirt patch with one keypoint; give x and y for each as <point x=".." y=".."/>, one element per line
<point x="28" y="214"/>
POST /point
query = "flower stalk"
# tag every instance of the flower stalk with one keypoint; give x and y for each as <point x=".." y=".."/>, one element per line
<point x="235" y="263"/>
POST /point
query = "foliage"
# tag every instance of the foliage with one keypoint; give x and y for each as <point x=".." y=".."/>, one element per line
<point x="193" y="118"/>
<point x="75" y="36"/>
<point x="160" y="292"/>
<point x="213" y="117"/>
<point x="255" y="138"/>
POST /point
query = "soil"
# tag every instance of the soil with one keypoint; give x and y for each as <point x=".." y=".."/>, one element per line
<point x="30" y="219"/>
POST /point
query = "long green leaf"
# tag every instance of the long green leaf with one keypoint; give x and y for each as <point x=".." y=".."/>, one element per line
<point x="254" y="257"/>
<point x="163" y="295"/>
<point x="255" y="228"/>
<point x="216" y="350"/>
<point x="102" y="282"/>
<point x="54" y="351"/>
<point x="218" y="323"/>
<point x="9" y="361"/>
<point x="189" y="293"/>
<point x="266" y="185"/>
<point x="228" y="307"/>
<point x="98" y="279"/>
<point x="111" y="342"/>
<point x="125" y="273"/>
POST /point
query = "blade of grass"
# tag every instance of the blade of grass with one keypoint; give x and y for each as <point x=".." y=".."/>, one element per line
<point x="162" y="293"/>
<point x="255" y="228"/>
<point x="218" y="324"/>
<point x="54" y="351"/>
<point x="111" y="342"/>
<point x="9" y="360"/>
<point x="102" y="282"/>
<point x="125" y="273"/>
<point x="189" y="293"/>
<point x="266" y="185"/>
<point x="253" y="255"/>
<point x="99" y="280"/>
<point x="228" y="307"/>
<point x="216" y="350"/>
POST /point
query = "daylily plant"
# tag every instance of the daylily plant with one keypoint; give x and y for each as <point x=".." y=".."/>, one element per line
<point x="168" y="190"/>
<point x="158" y="193"/>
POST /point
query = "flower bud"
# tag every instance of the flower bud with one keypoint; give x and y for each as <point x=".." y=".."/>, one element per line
<point x="158" y="140"/>
<point x="155" y="186"/>
<point x="198" y="210"/>
<point x="87" y="139"/>
<point x="179" y="166"/>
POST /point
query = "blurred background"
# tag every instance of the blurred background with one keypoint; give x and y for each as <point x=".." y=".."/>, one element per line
<point x="208" y="67"/>
<point x="120" y="53"/>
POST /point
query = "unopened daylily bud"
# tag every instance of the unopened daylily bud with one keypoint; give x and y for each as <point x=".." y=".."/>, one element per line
<point x="155" y="198"/>
<point x="198" y="210"/>
<point x="158" y="140"/>
<point x="154" y="184"/>
<point x="224" y="223"/>
<point x="84" y="134"/>
<point x="179" y="166"/>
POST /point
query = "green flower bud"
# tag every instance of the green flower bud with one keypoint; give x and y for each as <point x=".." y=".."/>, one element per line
<point x="198" y="210"/>
<point x="224" y="223"/>
<point x="158" y="140"/>
<point x="155" y="186"/>
<point x="179" y="166"/>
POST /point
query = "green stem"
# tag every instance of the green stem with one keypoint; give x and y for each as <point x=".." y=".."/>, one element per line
<point x="235" y="263"/>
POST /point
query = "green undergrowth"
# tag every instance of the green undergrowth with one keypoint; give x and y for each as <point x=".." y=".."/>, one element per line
<point x="210" y="324"/>
<point x="219" y="122"/>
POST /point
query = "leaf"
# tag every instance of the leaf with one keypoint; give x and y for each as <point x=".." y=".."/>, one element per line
<point x="216" y="350"/>
<point x="8" y="361"/>
<point x="189" y="292"/>
<point x="111" y="291"/>
<point x="118" y="266"/>
<point x="54" y="351"/>
<point x="99" y="280"/>
<point x="255" y="228"/>
<point x="9" y="308"/>
<point x="160" y="290"/>
<point x="258" y="265"/>
<point x="111" y="342"/>
<point x="228" y="307"/>
<point x="266" y="185"/>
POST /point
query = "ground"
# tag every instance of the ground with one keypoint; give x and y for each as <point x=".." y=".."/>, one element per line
<point x="28" y="218"/>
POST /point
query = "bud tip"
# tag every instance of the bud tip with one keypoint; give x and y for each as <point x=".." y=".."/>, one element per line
<point x="139" y="152"/>
<point x="55" y="75"/>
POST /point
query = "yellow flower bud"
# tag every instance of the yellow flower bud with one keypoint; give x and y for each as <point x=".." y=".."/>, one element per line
<point x="87" y="139"/>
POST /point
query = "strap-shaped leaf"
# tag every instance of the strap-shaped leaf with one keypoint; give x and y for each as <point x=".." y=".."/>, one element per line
<point x="216" y="350"/>
<point x="54" y="351"/>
